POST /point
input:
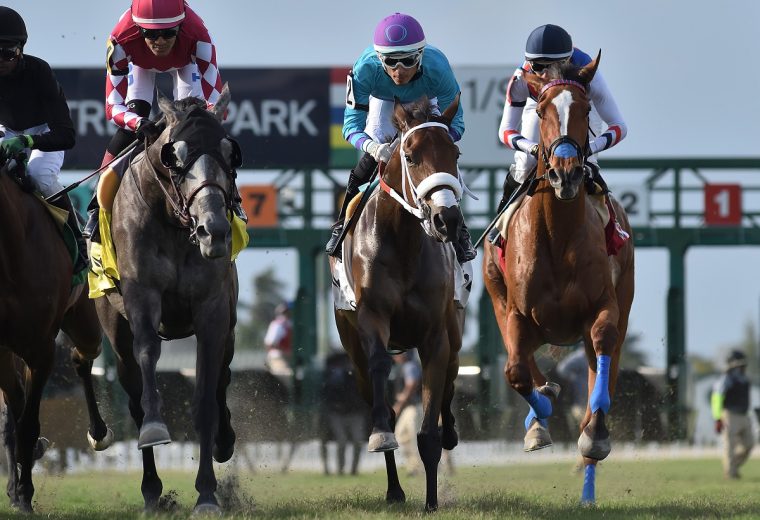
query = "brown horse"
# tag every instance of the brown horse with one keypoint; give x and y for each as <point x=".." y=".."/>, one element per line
<point x="559" y="284"/>
<point x="36" y="300"/>
<point x="403" y="274"/>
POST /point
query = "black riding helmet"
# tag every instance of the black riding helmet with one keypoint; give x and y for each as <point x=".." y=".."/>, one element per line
<point x="548" y="43"/>
<point x="12" y="27"/>
<point x="736" y="358"/>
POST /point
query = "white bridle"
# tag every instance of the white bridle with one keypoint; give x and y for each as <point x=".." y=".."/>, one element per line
<point x="448" y="197"/>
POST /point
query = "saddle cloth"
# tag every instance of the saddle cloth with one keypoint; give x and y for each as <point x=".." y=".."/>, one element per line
<point x="104" y="272"/>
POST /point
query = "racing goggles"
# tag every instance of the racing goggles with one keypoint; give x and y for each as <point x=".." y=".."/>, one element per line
<point x="155" y="34"/>
<point x="8" y="53"/>
<point x="407" y="61"/>
<point x="540" y="66"/>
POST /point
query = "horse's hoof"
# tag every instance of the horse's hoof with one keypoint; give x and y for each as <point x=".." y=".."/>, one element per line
<point x="223" y="454"/>
<point x="594" y="441"/>
<point x="209" y="509"/>
<point x="431" y="508"/>
<point x="537" y="437"/>
<point x="382" y="441"/>
<point x="103" y="443"/>
<point x="153" y="434"/>
<point x="596" y="449"/>
<point x="550" y="390"/>
<point x="40" y="448"/>
<point x="397" y="496"/>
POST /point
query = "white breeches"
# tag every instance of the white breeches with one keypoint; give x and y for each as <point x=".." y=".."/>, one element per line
<point x="43" y="167"/>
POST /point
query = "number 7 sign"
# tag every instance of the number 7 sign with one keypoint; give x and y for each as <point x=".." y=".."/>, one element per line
<point x="260" y="204"/>
<point x="723" y="204"/>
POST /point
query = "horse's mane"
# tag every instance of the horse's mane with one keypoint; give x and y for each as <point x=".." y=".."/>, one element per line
<point x="421" y="111"/>
<point x="188" y="103"/>
<point x="565" y="70"/>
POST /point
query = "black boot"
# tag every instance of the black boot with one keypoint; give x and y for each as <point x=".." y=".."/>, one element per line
<point x="332" y="248"/>
<point x="82" y="262"/>
<point x="237" y="207"/>
<point x="509" y="187"/>
<point x="358" y="176"/>
<point x="594" y="181"/>
<point x="91" y="228"/>
<point x="463" y="247"/>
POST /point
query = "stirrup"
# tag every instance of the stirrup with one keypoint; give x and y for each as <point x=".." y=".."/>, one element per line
<point x="332" y="248"/>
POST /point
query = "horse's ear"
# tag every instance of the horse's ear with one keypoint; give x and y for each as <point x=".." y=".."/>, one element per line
<point x="586" y="74"/>
<point x="167" y="107"/>
<point x="451" y="110"/>
<point x="220" y="108"/>
<point x="400" y="115"/>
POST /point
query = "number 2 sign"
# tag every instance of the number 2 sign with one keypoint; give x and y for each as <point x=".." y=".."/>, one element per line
<point x="723" y="204"/>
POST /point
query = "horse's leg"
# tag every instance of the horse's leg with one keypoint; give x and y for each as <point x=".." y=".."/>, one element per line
<point x="449" y="436"/>
<point x="594" y="441"/>
<point x="120" y="336"/>
<point x="209" y="319"/>
<point x="143" y="308"/>
<point x="28" y="427"/>
<point x="224" y="443"/>
<point x="349" y="338"/>
<point x="435" y="367"/>
<point x="82" y="328"/>
<point x="521" y="344"/>
<point x="12" y="408"/>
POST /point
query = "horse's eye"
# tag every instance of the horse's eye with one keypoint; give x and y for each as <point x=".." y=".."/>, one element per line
<point x="539" y="114"/>
<point x="410" y="160"/>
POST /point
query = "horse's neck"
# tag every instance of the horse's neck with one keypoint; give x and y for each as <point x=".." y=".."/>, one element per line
<point x="397" y="225"/>
<point x="561" y="218"/>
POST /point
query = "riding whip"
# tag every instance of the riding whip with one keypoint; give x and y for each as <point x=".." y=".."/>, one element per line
<point x="76" y="184"/>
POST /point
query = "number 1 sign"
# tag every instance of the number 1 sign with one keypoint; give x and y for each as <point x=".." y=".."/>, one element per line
<point x="723" y="204"/>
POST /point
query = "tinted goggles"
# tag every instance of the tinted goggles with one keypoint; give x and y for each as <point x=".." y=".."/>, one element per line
<point x="409" y="61"/>
<point x="8" y="53"/>
<point x="540" y="66"/>
<point x="155" y="34"/>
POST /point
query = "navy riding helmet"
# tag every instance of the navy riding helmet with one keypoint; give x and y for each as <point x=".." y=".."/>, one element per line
<point x="548" y="42"/>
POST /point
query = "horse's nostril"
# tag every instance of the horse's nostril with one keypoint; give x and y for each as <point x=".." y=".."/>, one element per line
<point x="438" y="222"/>
<point x="201" y="232"/>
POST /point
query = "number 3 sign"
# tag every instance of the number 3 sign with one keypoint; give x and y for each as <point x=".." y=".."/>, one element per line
<point x="723" y="204"/>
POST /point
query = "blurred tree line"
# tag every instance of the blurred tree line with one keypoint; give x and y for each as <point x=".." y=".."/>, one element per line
<point x="254" y="319"/>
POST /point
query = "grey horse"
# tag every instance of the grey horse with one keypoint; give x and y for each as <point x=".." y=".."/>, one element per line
<point x="173" y="243"/>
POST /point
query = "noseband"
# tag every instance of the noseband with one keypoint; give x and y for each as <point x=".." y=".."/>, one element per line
<point x="581" y="152"/>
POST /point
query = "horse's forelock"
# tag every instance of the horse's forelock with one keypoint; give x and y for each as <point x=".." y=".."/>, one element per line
<point x="565" y="70"/>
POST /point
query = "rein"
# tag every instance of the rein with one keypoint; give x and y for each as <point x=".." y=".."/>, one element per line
<point x="428" y="184"/>
<point x="179" y="203"/>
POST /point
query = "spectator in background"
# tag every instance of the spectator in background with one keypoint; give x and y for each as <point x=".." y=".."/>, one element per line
<point x="279" y="341"/>
<point x="730" y="404"/>
<point x="408" y="408"/>
<point x="344" y="411"/>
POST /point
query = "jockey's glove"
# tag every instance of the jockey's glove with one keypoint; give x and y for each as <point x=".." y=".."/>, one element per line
<point x="534" y="151"/>
<point x="147" y="129"/>
<point x="14" y="145"/>
<point x="381" y="152"/>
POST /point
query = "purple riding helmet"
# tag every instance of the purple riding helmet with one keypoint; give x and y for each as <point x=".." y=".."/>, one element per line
<point x="399" y="34"/>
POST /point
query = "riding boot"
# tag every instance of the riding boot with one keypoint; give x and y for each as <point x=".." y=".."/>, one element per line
<point x="463" y="246"/>
<point x="91" y="228"/>
<point x="237" y="206"/>
<point x="509" y="187"/>
<point x="332" y="248"/>
<point x="596" y="185"/>
<point x="359" y="176"/>
<point x="82" y="262"/>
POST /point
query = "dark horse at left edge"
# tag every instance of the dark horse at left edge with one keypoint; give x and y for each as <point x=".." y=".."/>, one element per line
<point x="36" y="301"/>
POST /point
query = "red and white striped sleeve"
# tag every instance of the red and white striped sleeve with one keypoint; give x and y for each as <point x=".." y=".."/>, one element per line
<point x="509" y="128"/>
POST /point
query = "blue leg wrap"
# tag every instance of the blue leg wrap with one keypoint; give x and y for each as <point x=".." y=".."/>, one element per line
<point x="540" y="408"/>
<point x="600" y="397"/>
<point x="588" y="485"/>
<point x="532" y="415"/>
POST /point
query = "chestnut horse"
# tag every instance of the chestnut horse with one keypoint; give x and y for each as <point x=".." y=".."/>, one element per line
<point x="36" y="300"/>
<point x="559" y="284"/>
<point x="403" y="273"/>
